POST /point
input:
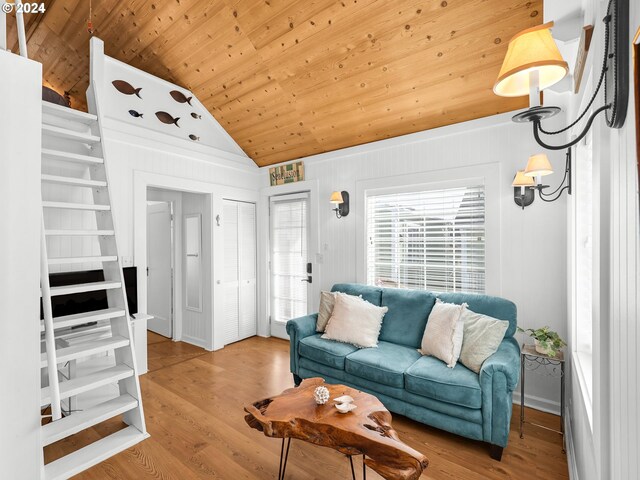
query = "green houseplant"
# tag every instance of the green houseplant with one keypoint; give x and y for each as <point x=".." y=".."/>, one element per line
<point x="546" y="340"/>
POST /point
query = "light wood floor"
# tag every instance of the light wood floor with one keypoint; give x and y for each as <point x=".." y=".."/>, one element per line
<point x="194" y="401"/>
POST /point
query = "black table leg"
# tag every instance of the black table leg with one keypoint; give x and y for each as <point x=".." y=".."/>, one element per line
<point x="364" y="468"/>
<point x="353" y="472"/>
<point x="283" y="465"/>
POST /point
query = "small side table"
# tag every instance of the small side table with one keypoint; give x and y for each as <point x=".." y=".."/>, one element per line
<point x="552" y="366"/>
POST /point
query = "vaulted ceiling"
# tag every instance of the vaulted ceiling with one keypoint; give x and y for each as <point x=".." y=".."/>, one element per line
<point x="291" y="78"/>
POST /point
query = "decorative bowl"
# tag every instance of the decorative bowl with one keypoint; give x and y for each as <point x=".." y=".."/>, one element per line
<point x="345" y="407"/>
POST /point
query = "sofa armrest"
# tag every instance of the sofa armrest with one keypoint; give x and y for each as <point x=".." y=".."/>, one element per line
<point x="297" y="329"/>
<point x="499" y="376"/>
<point x="505" y="360"/>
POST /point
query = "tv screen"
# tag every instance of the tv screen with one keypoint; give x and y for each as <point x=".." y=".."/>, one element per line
<point x="89" y="301"/>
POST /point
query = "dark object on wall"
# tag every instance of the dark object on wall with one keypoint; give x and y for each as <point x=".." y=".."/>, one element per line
<point x="133" y="113"/>
<point x="616" y="81"/>
<point x="194" y="138"/>
<point x="164" y="117"/>
<point x="526" y="199"/>
<point x="51" y="96"/>
<point x="89" y="301"/>
<point x="180" y="97"/>
<point x="636" y="82"/>
<point x="196" y="116"/>
<point x="341" y="201"/>
<point x="126" y="88"/>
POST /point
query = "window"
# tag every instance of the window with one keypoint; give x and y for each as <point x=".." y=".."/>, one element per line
<point x="430" y="240"/>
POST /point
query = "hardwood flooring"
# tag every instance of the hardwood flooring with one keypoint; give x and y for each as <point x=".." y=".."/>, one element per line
<point x="194" y="400"/>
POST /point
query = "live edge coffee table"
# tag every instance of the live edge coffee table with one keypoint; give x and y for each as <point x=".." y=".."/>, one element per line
<point x="364" y="431"/>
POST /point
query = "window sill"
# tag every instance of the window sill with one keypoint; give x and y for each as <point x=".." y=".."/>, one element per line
<point x="583" y="362"/>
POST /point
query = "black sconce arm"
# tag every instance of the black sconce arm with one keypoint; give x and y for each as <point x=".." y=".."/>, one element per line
<point x="537" y="128"/>
<point x="546" y="197"/>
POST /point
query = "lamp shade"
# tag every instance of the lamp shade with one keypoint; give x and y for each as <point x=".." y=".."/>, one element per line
<point x="538" y="165"/>
<point x="531" y="49"/>
<point x="336" y="197"/>
<point x="521" y="180"/>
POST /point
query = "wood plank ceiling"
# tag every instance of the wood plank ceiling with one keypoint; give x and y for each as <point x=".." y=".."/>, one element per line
<point x="291" y="78"/>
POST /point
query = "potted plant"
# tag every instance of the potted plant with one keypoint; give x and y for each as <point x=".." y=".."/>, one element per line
<point x="547" y="341"/>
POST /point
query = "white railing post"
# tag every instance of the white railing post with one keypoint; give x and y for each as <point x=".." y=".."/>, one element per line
<point x="22" y="37"/>
<point x="3" y="30"/>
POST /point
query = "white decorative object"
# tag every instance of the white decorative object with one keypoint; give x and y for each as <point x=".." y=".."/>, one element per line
<point x="345" y="407"/>
<point x="321" y="395"/>
<point x="344" y="399"/>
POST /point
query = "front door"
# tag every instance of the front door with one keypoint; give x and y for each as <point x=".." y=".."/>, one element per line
<point x="159" y="264"/>
<point x="290" y="267"/>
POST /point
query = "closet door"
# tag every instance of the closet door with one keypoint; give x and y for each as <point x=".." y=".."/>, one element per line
<point x="247" y="269"/>
<point x="230" y="281"/>
<point x="240" y="294"/>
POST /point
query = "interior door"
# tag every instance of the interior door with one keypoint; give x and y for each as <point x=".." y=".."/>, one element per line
<point x="159" y="264"/>
<point x="290" y="266"/>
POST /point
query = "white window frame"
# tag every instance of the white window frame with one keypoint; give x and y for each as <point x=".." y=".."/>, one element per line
<point x="486" y="174"/>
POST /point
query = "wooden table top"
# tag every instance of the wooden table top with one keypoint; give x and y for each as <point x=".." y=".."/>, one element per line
<point x="365" y="431"/>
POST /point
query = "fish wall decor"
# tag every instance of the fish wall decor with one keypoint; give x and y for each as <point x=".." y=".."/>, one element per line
<point x="194" y="138"/>
<point x="135" y="114"/>
<point x="196" y="116"/>
<point x="165" y="117"/>
<point x="126" y="88"/>
<point x="180" y="97"/>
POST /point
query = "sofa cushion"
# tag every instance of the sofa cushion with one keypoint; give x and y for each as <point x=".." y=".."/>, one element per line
<point x="326" y="352"/>
<point x="406" y="319"/>
<point x="495" y="307"/>
<point x="385" y="364"/>
<point x="431" y="378"/>
<point x="369" y="293"/>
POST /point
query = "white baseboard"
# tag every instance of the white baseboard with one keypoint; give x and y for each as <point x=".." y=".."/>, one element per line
<point x="538" y="403"/>
<point x="571" y="453"/>
<point x="198" y="342"/>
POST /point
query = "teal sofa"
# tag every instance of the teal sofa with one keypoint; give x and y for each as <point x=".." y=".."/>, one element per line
<point x="420" y="387"/>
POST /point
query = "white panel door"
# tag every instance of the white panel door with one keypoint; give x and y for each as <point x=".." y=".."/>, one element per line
<point x="230" y="280"/>
<point x="239" y="271"/>
<point x="159" y="273"/>
<point x="247" y="269"/>
<point x="289" y="245"/>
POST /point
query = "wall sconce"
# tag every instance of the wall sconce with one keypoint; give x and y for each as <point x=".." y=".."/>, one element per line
<point x="533" y="63"/>
<point x="539" y="166"/>
<point x="341" y="201"/>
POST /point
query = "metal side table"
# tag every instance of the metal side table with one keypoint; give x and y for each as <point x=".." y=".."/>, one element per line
<point x="552" y="366"/>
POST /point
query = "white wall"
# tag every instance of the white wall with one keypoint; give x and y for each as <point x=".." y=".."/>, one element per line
<point x="609" y="449"/>
<point x="20" y="450"/>
<point x="532" y="270"/>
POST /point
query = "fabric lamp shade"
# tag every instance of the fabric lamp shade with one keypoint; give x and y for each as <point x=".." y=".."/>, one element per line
<point x="336" y="197"/>
<point x="538" y="166"/>
<point x="530" y="50"/>
<point x="522" y="180"/>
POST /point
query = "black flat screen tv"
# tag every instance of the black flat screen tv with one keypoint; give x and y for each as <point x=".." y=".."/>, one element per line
<point x="89" y="301"/>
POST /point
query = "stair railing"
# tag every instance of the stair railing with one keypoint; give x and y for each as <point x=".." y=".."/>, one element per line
<point x="22" y="37"/>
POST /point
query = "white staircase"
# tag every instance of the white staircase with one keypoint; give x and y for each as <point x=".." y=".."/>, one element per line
<point x="73" y="167"/>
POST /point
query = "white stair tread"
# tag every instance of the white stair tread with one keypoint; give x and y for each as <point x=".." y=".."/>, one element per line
<point x="81" y="318"/>
<point x="78" y="421"/>
<point x="79" y="385"/>
<point x="69" y="157"/>
<point x="68" y="113"/>
<point x="84" y="287"/>
<point x="78" y="233"/>
<point x="77" y="182"/>
<point x="69" y="260"/>
<point x="93" y="454"/>
<point x="69" y="134"/>
<point x="85" y="349"/>
<point x="76" y="206"/>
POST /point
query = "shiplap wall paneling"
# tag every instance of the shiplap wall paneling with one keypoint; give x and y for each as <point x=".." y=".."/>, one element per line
<point x="239" y="220"/>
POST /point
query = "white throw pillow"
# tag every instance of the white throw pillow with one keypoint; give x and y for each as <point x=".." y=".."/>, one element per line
<point x="355" y="321"/>
<point x="482" y="337"/>
<point x="443" y="334"/>
<point x="327" y="301"/>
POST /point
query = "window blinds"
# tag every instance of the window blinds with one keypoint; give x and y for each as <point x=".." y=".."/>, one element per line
<point x="430" y="240"/>
<point x="289" y="223"/>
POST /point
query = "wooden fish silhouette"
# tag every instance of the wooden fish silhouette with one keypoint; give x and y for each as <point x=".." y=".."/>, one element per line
<point x="196" y="116"/>
<point x="164" y="117"/>
<point x="126" y="88"/>
<point x="194" y="138"/>
<point x="133" y="113"/>
<point x="180" y="97"/>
